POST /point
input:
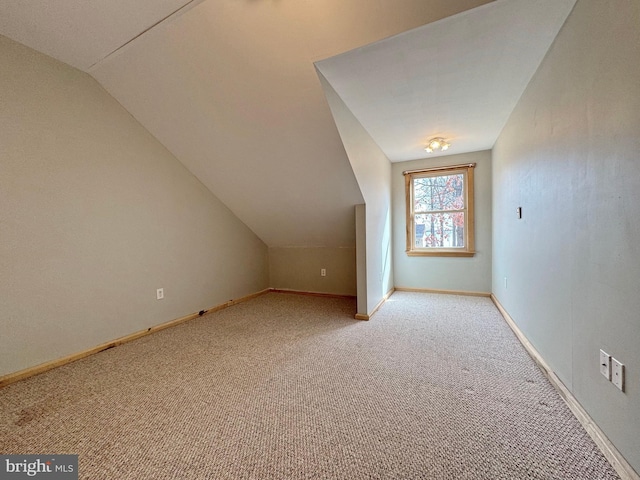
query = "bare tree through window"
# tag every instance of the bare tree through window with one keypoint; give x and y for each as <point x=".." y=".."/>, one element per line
<point x="440" y="211"/>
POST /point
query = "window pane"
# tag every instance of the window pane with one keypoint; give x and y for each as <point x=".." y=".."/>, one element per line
<point x="439" y="230"/>
<point x="438" y="193"/>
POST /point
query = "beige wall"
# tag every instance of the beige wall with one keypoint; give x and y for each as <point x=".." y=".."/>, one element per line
<point x="471" y="274"/>
<point x="298" y="268"/>
<point x="95" y="215"/>
<point x="570" y="157"/>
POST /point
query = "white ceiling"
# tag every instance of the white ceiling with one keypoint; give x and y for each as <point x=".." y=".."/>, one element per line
<point x="458" y="78"/>
<point x="230" y="88"/>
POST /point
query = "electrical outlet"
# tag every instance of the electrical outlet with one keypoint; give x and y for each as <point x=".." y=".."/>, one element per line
<point x="605" y="364"/>
<point x="617" y="374"/>
<point x="505" y="283"/>
<point x="160" y="294"/>
<point x="323" y="272"/>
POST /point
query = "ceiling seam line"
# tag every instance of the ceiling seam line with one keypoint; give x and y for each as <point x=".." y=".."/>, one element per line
<point x="190" y="3"/>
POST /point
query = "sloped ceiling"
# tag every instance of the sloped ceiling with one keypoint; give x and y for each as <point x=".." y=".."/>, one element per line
<point x="230" y="88"/>
<point x="459" y="78"/>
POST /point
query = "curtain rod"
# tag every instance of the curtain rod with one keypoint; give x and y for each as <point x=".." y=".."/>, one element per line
<point x="435" y="169"/>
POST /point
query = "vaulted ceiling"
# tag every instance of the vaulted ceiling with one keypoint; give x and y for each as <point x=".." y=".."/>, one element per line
<point x="230" y="86"/>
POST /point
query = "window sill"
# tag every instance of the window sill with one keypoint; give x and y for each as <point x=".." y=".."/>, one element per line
<point x="440" y="253"/>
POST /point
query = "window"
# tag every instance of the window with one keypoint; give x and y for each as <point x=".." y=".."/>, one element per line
<point x="440" y="211"/>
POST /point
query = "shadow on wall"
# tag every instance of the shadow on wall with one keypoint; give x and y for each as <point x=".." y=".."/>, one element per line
<point x="386" y="269"/>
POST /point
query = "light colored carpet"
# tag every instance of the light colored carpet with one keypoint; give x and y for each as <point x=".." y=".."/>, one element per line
<point x="288" y="386"/>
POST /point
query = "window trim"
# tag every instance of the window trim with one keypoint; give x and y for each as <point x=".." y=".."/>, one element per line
<point x="469" y="232"/>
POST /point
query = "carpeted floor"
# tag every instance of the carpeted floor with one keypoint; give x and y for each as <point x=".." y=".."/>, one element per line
<point x="291" y="387"/>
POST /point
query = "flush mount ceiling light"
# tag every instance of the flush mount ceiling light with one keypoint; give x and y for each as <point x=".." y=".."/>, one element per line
<point x="437" y="143"/>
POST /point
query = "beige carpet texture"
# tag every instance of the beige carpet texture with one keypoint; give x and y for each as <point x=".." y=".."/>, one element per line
<point x="292" y="387"/>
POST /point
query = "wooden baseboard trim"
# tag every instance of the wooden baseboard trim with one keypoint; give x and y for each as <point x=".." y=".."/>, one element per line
<point x="444" y="292"/>
<point x="362" y="316"/>
<point x="311" y="294"/>
<point x="43" y="367"/>
<point x="611" y="453"/>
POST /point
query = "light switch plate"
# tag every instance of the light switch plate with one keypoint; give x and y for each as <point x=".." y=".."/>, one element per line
<point x="617" y="373"/>
<point x="605" y="364"/>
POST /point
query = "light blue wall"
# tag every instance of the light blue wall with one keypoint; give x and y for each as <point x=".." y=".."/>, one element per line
<point x="570" y="157"/>
<point x="470" y="274"/>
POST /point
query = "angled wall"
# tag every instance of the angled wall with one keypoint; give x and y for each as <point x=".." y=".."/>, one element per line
<point x="96" y="215"/>
<point x="373" y="173"/>
<point x="569" y="156"/>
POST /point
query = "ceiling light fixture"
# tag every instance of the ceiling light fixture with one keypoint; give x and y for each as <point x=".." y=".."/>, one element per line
<point x="437" y="143"/>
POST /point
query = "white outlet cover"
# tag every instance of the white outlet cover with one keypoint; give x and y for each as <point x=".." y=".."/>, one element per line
<point x="160" y="294"/>
<point x="617" y="374"/>
<point x="605" y="364"/>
